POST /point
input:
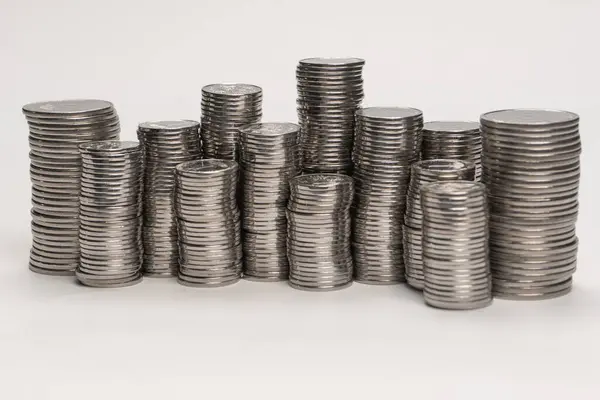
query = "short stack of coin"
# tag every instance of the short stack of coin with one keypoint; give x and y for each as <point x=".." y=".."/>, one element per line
<point x="269" y="157"/>
<point x="110" y="214"/>
<point x="225" y="109"/>
<point x="531" y="171"/>
<point x="329" y="92"/>
<point x="166" y="144"/>
<point x="387" y="142"/>
<point x="422" y="173"/>
<point x="453" y="140"/>
<point x="455" y="245"/>
<point x="56" y="129"/>
<point x="318" y="246"/>
<point x="209" y="224"/>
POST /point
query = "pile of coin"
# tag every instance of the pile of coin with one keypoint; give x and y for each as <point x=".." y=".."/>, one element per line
<point x="166" y="144"/>
<point x="387" y="143"/>
<point x="422" y="173"/>
<point x="226" y="108"/>
<point x="455" y="245"/>
<point x="56" y="129"/>
<point x="269" y="156"/>
<point x="531" y="170"/>
<point x="318" y="245"/>
<point x="110" y="214"/>
<point x="329" y="92"/>
<point x="453" y="140"/>
<point x="209" y="223"/>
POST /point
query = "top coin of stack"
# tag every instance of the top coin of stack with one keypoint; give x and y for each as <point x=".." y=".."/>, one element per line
<point x="531" y="171"/>
<point x="453" y="140"/>
<point x="166" y="144"/>
<point x="387" y="143"/>
<point x="56" y="129"/>
<point x="226" y="108"/>
<point x="329" y="91"/>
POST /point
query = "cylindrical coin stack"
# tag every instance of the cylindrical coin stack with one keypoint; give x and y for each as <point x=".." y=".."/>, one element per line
<point x="110" y="214"/>
<point x="531" y="171"/>
<point x="453" y="140"/>
<point x="455" y="245"/>
<point x="329" y="92"/>
<point x="166" y="144"/>
<point x="56" y="129"/>
<point x="318" y="246"/>
<point x="387" y="143"/>
<point x="226" y="108"/>
<point x="209" y="224"/>
<point x="269" y="157"/>
<point x="422" y="173"/>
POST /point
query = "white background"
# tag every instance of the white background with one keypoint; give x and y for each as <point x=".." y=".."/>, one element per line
<point x="158" y="340"/>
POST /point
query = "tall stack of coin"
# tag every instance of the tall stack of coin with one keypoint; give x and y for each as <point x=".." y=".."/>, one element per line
<point x="209" y="223"/>
<point x="269" y="157"/>
<point x="56" y="129"/>
<point x="226" y="108"/>
<point x="166" y="144"/>
<point x="453" y="140"/>
<point x="329" y="92"/>
<point x="455" y="245"/>
<point x="318" y="246"/>
<point x="110" y="214"/>
<point x="387" y="143"/>
<point x="422" y="173"/>
<point x="531" y="170"/>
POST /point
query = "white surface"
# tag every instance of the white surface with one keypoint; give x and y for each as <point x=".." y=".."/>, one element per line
<point x="453" y="59"/>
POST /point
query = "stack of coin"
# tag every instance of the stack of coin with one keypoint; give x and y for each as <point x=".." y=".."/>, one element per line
<point x="422" y="173"/>
<point x="226" y="108"/>
<point x="531" y="171"/>
<point x="329" y="92"/>
<point x="110" y="214"/>
<point x="56" y="129"/>
<point x="455" y="245"/>
<point x="166" y="144"/>
<point x="318" y="245"/>
<point x="387" y="143"/>
<point x="209" y="224"/>
<point x="453" y="140"/>
<point x="269" y="157"/>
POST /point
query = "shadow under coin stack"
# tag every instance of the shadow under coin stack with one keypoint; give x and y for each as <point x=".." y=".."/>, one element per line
<point x="329" y="92"/>
<point x="111" y="214"/>
<point x="225" y="109"/>
<point x="269" y="157"/>
<point x="56" y="129"/>
<point x="166" y="144"/>
<point x="209" y="223"/>
<point x="318" y="217"/>
<point x="531" y="171"/>
<point x="387" y="143"/>
<point x="455" y="245"/>
<point x="422" y="173"/>
<point x="453" y="140"/>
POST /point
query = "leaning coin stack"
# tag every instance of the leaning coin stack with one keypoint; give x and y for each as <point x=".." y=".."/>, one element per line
<point x="166" y="144"/>
<point x="387" y="143"/>
<point x="209" y="224"/>
<point x="422" y="173"/>
<point x="455" y="245"/>
<point x="453" y="140"/>
<point x="110" y="214"/>
<point x="269" y="157"/>
<point x="318" y="244"/>
<point x="329" y="92"/>
<point x="56" y="129"/>
<point x="531" y="170"/>
<point x="226" y="108"/>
